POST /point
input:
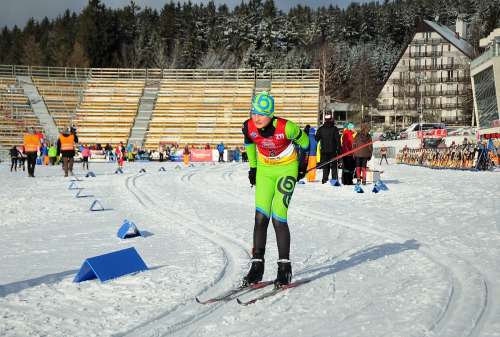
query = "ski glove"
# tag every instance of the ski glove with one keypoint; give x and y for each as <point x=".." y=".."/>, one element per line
<point x="252" y="175"/>
<point x="307" y="129"/>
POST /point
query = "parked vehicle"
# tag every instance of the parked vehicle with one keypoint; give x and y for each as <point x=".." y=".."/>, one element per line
<point x="416" y="127"/>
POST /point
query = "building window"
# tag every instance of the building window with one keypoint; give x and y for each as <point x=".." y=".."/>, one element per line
<point x="484" y="85"/>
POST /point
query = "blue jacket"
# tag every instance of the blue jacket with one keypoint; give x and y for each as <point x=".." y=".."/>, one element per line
<point x="220" y="147"/>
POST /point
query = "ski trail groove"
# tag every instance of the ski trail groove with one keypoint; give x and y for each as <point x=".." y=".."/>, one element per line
<point x="164" y="324"/>
<point x="456" y="299"/>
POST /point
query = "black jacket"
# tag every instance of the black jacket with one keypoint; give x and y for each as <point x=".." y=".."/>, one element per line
<point x="328" y="136"/>
<point x="14" y="153"/>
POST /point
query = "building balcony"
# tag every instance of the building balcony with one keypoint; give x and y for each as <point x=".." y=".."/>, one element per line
<point x="427" y="41"/>
<point x="448" y="66"/>
<point x="426" y="54"/>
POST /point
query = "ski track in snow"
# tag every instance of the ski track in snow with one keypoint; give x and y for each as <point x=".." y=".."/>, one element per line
<point x="427" y="279"/>
<point x="164" y="325"/>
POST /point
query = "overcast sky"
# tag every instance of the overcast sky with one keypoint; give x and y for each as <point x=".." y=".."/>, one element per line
<point x="17" y="12"/>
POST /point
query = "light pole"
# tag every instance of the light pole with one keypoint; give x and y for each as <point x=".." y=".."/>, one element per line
<point x="420" y="82"/>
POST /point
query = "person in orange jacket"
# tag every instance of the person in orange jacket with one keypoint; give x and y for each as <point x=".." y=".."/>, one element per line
<point x="66" y="148"/>
<point x="31" y="145"/>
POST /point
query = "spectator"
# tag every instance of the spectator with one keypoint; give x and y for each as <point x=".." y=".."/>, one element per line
<point x="220" y="148"/>
<point x="186" y="154"/>
<point x="348" y="163"/>
<point x="66" y="148"/>
<point x="14" y="154"/>
<point x="363" y="155"/>
<point x="329" y="139"/>
<point x="236" y="154"/>
<point x="85" y="156"/>
<point x="52" y="154"/>
<point x="31" y="145"/>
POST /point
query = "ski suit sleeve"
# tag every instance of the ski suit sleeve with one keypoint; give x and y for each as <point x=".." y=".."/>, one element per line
<point x="295" y="134"/>
<point x="317" y="136"/>
<point x="250" y="147"/>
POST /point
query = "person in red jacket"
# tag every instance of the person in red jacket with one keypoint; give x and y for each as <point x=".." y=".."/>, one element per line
<point x="363" y="155"/>
<point x="348" y="163"/>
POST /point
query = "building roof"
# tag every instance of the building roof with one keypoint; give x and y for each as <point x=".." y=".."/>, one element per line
<point x="451" y="37"/>
<point x="484" y="43"/>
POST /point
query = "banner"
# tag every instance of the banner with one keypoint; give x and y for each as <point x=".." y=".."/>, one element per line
<point x="201" y="155"/>
<point x="433" y="133"/>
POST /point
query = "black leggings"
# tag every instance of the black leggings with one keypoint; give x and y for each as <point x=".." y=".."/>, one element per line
<point x="260" y="236"/>
<point x="31" y="162"/>
<point x="13" y="165"/>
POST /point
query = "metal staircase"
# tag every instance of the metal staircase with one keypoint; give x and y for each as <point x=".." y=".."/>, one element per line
<point x="145" y="110"/>
<point x="39" y="107"/>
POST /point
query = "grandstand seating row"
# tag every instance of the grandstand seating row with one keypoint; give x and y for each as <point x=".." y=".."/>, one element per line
<point x="16" y="114"/>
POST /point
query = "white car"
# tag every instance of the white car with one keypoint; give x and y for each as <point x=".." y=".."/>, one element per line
<point x="412" y="130"/>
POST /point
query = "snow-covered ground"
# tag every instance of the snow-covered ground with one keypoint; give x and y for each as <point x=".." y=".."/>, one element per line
<point x="419" y="260"/>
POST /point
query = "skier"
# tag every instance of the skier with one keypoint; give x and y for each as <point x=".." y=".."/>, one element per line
<point x="329" y="138"/>
<point x="362" y="156"/>
<point x="383" y="155"/>
<point x="275" y="167"/>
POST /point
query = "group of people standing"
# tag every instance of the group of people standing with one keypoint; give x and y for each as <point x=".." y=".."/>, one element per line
<point x="333" y="144"/>
<point x="33" y="145"/>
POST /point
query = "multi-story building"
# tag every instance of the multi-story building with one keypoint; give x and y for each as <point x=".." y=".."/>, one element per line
<point x="485" y="74"/>
<point x="431" y="80"/>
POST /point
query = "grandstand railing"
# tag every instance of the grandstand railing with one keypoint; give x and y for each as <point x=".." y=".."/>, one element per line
<point x="132" y="73"/>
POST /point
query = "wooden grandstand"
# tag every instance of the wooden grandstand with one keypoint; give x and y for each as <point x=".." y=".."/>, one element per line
<point x="61" y="97"/>
<point x="107" y="110"/>
<point x="296" y="95"/>
<point x="198" y="107"/>
<point x="192" y="107"/>
<point x="16" y="114"/>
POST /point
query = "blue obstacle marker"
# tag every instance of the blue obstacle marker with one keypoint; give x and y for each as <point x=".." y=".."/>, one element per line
<point x="334" y="182"/>
<point x="375" y="189"/>
<point x="119" y="170"/>
<point x="96" y="206"/>
<point x="358" y="189"/>
<point x="90" y="174"/>
<point x="161" y="169"/>
<point x="110" y="266"/>
<point x="191" y="165"/>
<point x="301" y="182"/>
<point x="142" y="170"/>
<point x="80" y="195"/>
<point x="381" y="185"/>
<point x="73" y="186"/>
<point x="128" y="230"/>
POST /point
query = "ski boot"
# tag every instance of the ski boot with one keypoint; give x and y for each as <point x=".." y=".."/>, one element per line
<point x="284" y="276"/>
<point x="255" y="274"/>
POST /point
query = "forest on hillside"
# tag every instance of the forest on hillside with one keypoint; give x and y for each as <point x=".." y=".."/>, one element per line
<point x="355" y="46"/>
